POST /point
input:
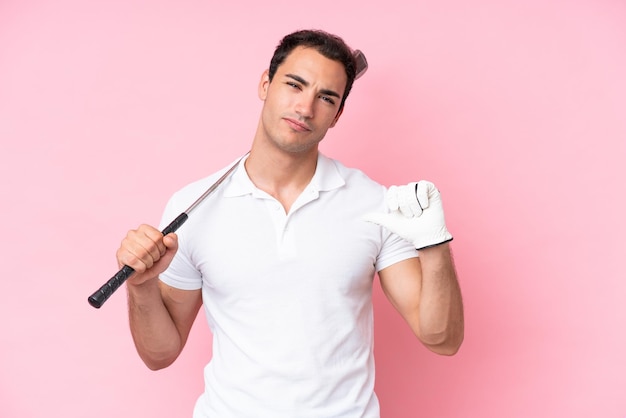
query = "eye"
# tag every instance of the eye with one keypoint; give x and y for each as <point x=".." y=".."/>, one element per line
<point x="328" y="99"/>
<point x="293" y="85"/>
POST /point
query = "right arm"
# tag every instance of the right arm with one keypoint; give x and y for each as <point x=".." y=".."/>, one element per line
<point x="160" y="316"/>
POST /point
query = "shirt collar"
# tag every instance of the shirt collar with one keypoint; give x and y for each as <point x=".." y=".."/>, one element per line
<point x="326" y="177"/>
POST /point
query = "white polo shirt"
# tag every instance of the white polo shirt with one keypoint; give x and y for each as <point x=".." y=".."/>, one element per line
<point x="288" y="297"/>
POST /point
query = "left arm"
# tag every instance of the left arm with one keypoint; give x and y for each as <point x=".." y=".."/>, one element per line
<point x="426" y="292"/>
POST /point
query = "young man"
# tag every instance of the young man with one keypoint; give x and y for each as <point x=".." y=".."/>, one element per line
<point x="283" y="256"/>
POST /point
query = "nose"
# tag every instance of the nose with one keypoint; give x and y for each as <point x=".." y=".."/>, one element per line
<point x="304" y="106"/>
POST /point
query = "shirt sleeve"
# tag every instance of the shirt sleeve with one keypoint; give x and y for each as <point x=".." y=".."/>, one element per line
<point x="181" y="273"/>
<point x="394" y="250"/>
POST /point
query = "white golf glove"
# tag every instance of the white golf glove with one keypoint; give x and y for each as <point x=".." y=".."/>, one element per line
<point x="416" y="214"/>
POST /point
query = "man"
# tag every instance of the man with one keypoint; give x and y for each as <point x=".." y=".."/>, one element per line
<point x="283" y="255"/>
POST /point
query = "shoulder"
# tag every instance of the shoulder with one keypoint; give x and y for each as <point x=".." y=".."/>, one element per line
<point x="189" y="193"/>
<point x="350" y="187"/>
<point x="354" y="178"/>
<point x="346" y="172"/>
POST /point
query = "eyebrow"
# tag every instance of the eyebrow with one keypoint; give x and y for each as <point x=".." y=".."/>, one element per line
<point x="305" y="83"/>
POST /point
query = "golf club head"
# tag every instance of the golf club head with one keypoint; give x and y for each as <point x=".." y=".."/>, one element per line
<point x="361" y="63"/>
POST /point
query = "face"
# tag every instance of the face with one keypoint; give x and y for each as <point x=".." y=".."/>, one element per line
<point x="302" y="101"/>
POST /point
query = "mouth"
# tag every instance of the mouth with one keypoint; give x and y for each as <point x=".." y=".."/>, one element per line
<point x="297" y="125"/>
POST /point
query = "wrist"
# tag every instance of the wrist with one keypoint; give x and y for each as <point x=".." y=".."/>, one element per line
<point x="423" y="247"/>
<point x="440" y="250"/>
<point x="144" y="289"/>
<point x="430" y="236"/>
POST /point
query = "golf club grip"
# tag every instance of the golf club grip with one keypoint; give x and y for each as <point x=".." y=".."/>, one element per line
<point x="101" y="295"/>
<point x="175" y="224"/>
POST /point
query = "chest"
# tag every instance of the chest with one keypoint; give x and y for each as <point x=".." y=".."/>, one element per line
<point x="247" y="244"/>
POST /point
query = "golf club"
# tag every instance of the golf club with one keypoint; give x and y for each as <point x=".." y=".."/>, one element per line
<point x="101" y="295"/>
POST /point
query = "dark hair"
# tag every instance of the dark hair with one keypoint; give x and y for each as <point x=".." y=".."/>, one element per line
<point x="329" y="45"/>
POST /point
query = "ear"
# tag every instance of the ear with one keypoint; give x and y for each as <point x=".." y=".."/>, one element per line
<point x="264" y="84"/>
<point x="336" y="118"/>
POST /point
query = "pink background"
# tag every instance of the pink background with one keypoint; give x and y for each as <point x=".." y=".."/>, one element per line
<point x="516" y="110"/>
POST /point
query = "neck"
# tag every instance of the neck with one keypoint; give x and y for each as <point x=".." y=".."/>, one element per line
<point x="281" y="174"/>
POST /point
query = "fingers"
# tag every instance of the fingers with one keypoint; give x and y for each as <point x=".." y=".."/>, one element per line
<point x="391" y="198"/>
<point x="414" y="207"/>
<point x="411" y="199"/>
<point x="415" y="214"/>
<point x="403" y="199"/>
<point x="143" y="247"/>
<point x="423" y="191"/>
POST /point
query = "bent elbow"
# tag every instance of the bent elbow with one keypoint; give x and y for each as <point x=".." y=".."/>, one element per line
<point x="444" y="343"/>
<point x="447" y="350"/>
<point x="155" y="366"/>
<point x="155" y="363"/>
